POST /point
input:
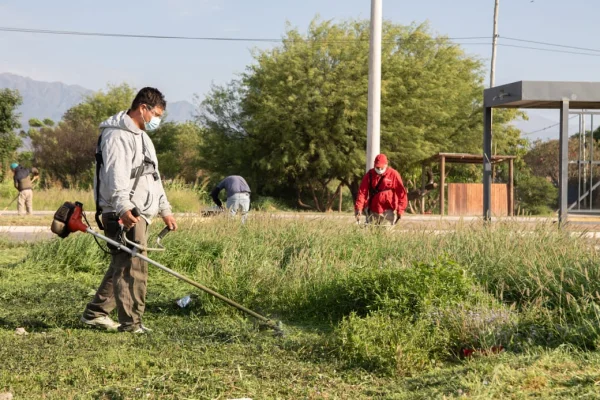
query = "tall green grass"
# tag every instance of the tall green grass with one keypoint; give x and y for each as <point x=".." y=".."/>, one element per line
<point x="396" y="302"/>
<point x="183" y="198"/>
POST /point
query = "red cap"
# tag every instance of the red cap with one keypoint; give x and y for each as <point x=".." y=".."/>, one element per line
<point x="380" y="161"/>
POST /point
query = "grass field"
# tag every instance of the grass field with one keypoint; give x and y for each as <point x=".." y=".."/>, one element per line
<point x="484" y="312"/>
<point x="181" y="197"/>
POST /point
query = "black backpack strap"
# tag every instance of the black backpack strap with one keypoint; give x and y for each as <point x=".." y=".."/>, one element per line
<point x="138" y="174"/>
<point x="374" y="190"/>
<point x="139" y="170"/>
<point x="99" y="163"/>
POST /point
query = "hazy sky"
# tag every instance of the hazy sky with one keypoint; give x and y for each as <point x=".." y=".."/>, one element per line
<point x="182" y="68"/>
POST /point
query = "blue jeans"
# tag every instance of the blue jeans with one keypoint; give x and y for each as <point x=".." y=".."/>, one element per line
<point x="241" y="202"/>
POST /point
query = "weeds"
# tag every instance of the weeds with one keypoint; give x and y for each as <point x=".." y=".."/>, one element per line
<point x="386" y="304"/>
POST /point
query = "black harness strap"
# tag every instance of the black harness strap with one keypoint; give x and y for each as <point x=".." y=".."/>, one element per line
<point x="375" y="190"/>
<point x="99" y="162"/>
<point x="135" y="172"/>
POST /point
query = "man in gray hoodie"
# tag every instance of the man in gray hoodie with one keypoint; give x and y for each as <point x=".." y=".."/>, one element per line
<point x="128" y="188"/>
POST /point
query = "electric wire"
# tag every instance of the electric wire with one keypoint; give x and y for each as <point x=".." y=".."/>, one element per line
<point x="198" y="38"/>
<point x="548" y="127"/>
<point x="280" y="40"/>
<point x="549" y="44"/>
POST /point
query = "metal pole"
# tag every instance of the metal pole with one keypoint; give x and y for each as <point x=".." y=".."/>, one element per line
<point x="563" y="161"/>
<point x="592" y="143"/>
<point x="579" y="164"/>
<point x="494" y="44"/>
<point x="374" y="112"/>
<point x="511" y="188"/>
<point x="584" y="161"/>
<point x="492" y="84"/>
<point x="487" y="163"/>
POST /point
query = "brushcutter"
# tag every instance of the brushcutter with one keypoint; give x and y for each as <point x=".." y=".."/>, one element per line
<point x="69" y="219"/>
<point x="9" y="204"/>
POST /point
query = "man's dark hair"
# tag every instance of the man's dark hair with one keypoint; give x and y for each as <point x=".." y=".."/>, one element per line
<point x="150" y="96"/>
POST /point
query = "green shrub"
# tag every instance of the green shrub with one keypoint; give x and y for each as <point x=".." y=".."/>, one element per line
<point x="383" y="343"/>
<point x="535" y="195"/>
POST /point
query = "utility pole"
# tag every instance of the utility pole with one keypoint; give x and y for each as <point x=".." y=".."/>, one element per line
<point x="374" y="111"/>
<point x="493" y="70"/>
<point x="494" y="45"/>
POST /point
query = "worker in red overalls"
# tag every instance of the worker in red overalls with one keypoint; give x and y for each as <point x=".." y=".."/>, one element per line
<point x="381" y="196"/>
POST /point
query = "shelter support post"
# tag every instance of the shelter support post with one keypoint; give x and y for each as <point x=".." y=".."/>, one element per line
<point x="442" y="184"/>
<point x="423" y="181"/>
<point x="511" y="188"/>
<point x="487" y="163"/>
<point x="563" y="179"/>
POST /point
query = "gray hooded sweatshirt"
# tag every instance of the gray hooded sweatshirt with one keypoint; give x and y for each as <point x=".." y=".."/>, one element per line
<point x="122" y="150"/>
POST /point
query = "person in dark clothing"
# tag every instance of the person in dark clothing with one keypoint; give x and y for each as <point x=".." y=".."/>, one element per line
<point x="238" y="195"/>
<point x="24" y="185"/>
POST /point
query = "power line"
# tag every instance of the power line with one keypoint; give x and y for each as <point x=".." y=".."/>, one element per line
<point x="126" y="35"/>
<point x="274" y="40"/>
<point x="140" y="36"/>
<point x="550" y="44"/>
<point x="548" y="127"/>
<point x="547" y="50"/>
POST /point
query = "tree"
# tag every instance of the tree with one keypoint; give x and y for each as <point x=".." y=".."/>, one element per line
<point x="177" y="149"/>
<point x="297" y="117"/>
<point x="10" y="100"/>
<point x="536" y="194"/>
<point x="543" y="159"/>
<point x="66" y="151"/>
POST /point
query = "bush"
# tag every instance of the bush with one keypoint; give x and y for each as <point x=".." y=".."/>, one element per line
<point x="431" y="313"/>
<point x="536" y="195"/>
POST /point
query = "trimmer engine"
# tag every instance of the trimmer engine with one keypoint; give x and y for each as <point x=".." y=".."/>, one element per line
<point x="67" y="219"/>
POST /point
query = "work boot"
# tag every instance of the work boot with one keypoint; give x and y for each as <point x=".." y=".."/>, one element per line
<point x="101" y="322"/>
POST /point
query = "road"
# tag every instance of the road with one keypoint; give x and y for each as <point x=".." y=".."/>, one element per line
<point x="588" y="227"/>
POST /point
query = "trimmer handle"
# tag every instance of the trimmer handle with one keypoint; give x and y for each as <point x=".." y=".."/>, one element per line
<point x="159" y="246"/>
<point x="162" y="234"/>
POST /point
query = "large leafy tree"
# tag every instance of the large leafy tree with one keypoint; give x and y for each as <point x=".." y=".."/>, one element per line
<point x="10" y="100"/>
<point x="297" y="117"/>
<point x="177" y="149"/>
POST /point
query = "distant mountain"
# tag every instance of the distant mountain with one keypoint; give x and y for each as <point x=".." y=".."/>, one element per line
<point x="43" y="99"/>
<point x="180" y="111"/>
<point x="51" y="99"/>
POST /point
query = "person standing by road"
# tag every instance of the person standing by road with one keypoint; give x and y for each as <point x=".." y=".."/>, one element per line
<point x="24" y="185"/>
<point x="238" y="195"/>
<point x="381" y="195"/>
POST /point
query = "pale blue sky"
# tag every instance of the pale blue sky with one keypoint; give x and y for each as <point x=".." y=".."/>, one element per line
<point x="182" y="68"/>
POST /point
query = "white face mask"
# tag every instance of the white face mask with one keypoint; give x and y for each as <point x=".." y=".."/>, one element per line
<point x="380" y="170"/>
<point x="152" y="124"/>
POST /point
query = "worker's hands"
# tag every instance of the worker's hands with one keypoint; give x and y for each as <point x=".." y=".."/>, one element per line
<point x="169" y="221"/>
<point x="128" y="220"/>
<point x="398" y="218"/>
<point x="358" y="214"/>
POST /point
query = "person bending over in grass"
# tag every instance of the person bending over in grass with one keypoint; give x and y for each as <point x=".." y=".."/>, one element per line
<point x="381" y="195"/>
<point x="127" y="180"/>
<point x="238" y="195"/>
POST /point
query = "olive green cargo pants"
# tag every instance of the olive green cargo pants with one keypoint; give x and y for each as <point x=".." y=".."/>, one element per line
<point x="124" y="284"/>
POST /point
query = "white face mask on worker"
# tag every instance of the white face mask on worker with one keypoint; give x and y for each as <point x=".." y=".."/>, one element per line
<point x="380" y="170"/>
